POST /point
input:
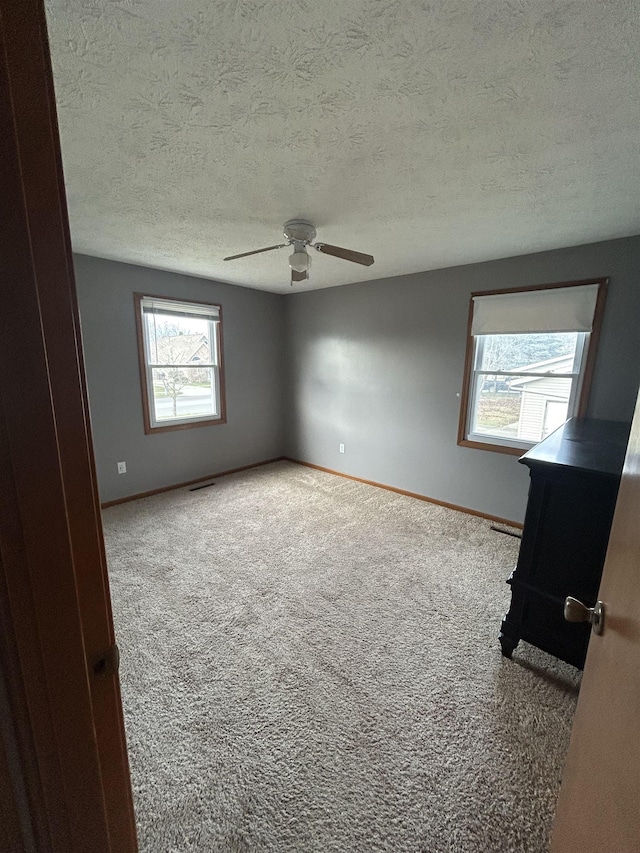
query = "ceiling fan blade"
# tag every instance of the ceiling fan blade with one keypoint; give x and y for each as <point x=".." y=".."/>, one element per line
<point x="299" y="276"/>
<point x="255" y="252"/>
<point x="346" y="254"/>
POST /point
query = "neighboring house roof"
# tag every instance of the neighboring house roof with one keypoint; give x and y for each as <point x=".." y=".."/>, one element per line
<point x="560" y="365"/>
<point x="540" y="386"/>
<point x="182" y="349"/>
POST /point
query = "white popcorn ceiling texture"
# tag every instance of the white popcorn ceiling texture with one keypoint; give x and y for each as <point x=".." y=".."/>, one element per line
<point x="428" y="134"/>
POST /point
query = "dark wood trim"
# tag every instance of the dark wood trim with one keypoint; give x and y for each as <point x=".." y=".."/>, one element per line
<point x="137" y="299"/>
<point x="22" y="785"/>
<point x="54" y="595"/>
<point x="583" y="402"/>
<point x="497" y="448"/>
<point x="593" y="347"/>
<point x="194" y="425"/>
<point x="466" y="382"/>
<point x="11" y="832"/>
<point x="223" y="386"/>
<point x="186" y="483"/>
<point x="178" y="299"/>
<point x="146" y="415"/>
<point x="551" y="286"/>
<point x="407" y="494"/>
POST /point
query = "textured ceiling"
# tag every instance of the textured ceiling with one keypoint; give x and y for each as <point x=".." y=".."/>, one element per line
<point x="428" y="134"/>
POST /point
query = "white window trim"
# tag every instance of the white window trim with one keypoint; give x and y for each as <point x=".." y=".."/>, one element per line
<point x="576" y="377"/>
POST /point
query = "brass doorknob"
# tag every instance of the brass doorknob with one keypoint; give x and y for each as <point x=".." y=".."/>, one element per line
<point x="576" y="611"/>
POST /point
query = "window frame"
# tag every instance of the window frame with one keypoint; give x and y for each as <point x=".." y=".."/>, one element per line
<point x="151" y="426"/>
<point x="580" y="389"/>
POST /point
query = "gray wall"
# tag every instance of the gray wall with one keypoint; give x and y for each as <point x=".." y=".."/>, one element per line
<point x="379" y="366"/>
<point x="253" y="360"/>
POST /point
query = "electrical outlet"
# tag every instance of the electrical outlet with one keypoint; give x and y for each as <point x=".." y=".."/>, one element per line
<point x="342" y="448"/>
<point x="122" y="467"/>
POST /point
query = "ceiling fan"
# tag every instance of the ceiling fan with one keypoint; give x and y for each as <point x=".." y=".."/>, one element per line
<point x="300" y="234"/>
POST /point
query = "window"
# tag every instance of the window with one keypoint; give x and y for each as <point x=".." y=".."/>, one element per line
<point x="180" y="347"/>
<point x="530" y="355"/>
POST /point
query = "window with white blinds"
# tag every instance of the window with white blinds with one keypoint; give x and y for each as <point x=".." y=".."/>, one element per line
<point x="180" y="362"/>
<point x="528" y="358"/>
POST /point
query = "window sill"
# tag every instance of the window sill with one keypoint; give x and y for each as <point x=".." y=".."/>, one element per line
<point x="496" y="448"/>
<point x="150" y="430"/>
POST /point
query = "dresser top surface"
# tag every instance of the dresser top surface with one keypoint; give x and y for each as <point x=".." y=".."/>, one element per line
<point x="583" y="444"/>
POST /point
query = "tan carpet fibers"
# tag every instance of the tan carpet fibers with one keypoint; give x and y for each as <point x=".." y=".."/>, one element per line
<point x="311" y="664"/>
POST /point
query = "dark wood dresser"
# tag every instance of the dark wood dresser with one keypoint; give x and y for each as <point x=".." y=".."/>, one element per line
<point x="575" y="474"/>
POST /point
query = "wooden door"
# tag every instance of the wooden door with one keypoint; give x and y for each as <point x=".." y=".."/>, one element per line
<point x="64" y="777"/>
<point x="599" y="803"/>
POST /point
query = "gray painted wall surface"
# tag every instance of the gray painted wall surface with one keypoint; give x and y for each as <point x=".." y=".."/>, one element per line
<point x="253" y="359"/>
<point x="379" y="366"/>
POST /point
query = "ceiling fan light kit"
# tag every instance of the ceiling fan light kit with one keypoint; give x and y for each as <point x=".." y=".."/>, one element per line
<point x="299" y="233"/>
<point x="299" y="261"/>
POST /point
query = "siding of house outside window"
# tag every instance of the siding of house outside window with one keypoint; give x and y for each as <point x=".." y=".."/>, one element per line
<point x="506" y="325"/>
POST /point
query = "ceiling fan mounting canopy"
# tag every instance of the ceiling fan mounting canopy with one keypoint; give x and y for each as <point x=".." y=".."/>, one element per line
<point x="299" y="231"/>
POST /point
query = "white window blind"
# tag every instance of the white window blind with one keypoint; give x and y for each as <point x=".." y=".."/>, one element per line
<point x="154" y="305"/>
<point x="557" y="309"/>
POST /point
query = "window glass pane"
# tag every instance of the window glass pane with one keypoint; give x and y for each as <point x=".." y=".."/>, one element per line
<point x="522" y="408"/>
<point x="174" y="339"/>
<point x="183" y="392"/>
<point x="551" y="352"/>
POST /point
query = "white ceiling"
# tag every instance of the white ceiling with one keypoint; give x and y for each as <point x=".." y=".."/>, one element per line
<point x="428" y="134"/>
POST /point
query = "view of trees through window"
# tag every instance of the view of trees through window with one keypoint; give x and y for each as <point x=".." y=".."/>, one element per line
<point x="519" y="405"/>
<point x="514" y="352"/>
<point x="186" y="389"/>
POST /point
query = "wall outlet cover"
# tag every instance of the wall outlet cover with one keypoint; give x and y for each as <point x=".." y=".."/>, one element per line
<point x="122" y="467"/>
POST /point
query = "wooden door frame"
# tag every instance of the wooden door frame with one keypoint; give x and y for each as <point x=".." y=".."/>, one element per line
<point x="597" y="806"/>
<point x="63" y="766"/>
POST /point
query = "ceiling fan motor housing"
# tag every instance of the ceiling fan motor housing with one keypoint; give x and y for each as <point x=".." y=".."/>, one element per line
<point x="299" y="231"/>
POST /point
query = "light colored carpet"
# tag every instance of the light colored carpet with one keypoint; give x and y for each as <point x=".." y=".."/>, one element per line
<point x="311" y="664"/>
